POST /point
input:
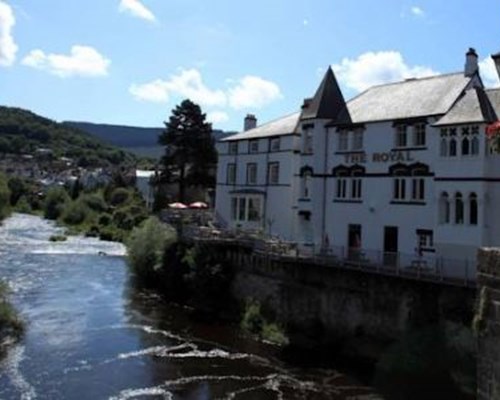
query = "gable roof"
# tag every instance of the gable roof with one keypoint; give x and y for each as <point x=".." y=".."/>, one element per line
<point x="411" y="98"/>
<point x="473" y="107"/>
<point x="328" y="101"/>
<point x="494" y="98"/>
<point x="282" y="126"/>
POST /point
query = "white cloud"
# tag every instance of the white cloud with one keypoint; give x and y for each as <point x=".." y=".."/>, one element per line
<point x="417" y="11"/>
<point x="248" y="92"/>
<point x="8" y="47"/>
<point x="488" y="73"/>
<point x="137" y="9"/>
<point x="216" y="117"/>
<point x="253" y="92"/>
<point x="375" y="68"/>
<point x="82" y="61"/>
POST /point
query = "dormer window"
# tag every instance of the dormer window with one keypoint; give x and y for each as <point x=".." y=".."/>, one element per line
<point x="308" y="141"/>
<point x="253" y="146"/>
<point x="357" y="139"/>
<point x="274" y="144"/>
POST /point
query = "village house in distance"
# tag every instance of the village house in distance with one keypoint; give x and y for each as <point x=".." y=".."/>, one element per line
<point x="403" y="173"/>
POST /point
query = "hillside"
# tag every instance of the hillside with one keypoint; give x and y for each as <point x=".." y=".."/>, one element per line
<point x="138" y="140"/>
<point x="23" y="132"/>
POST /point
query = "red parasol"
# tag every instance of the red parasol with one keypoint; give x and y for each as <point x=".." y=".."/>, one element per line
<point x="493" y="129"/>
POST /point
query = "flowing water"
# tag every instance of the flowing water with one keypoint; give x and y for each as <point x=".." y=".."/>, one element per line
<point x="90" y="334"/>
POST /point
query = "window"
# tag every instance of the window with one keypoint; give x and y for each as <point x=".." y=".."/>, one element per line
<point x="306" y="185"/>
<point x="453" y="147"/>
<point x="253" y="146"/>
<point x="474" y="146"/>
<point x="233" y="147"/>
<point x="308" y="141"/>
<point x="425" y="239"/>
<point x="399" y="189"/>
<point x="341" y="190"/>
<point x="356" y="188"/>
<point x="273" y="173"/>
<point x="443" y="144"/>
<point x="231" y="174"/>
<point x="357" y="139"/>
<point x="274" y="144"/>
<point x="254" y="209"/>
<point x="419" y="135"/>
<point x="444" y="208"/>
<point x="343" y="140"/>
<point x="473" y="209"/>
<point x="401" y="136"/>
<point x="246" y="208"/>
<point x="418" y="189"/>
<point x="251" y="173"/>
<point x="465" y="146"/>
<point x="459" y="209"/>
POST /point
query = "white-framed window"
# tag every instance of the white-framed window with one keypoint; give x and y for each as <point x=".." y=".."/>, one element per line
<point x="246" y="208"/>
<point x="399" y="189"/>
<point x="356" y="185"/>
<point x="253" y="146"/>
<point x="341" y="188"/>
<point x="251" y="173"/>
<point x="342" y="140"/>
<point x="401" y="136"/>
<point x="357" y="139"/>
<point x="452" y="152"/>
<point x="308" y="145"/>
<point x="231" y="174"/>
<point x="425" y="239"/>
<point x="233" y="148"/>
<point x="274" y="144"/>
<point x="418" y="189"/>
<point x="273" y="173"/>
<point x="419" y="135"/>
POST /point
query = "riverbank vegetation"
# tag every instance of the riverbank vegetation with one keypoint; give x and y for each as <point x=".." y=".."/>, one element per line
<point x="4" y="197"/>
<point x="255" y="323"/>
<point x="108" y="213"/>
<point x="11" y="326"/>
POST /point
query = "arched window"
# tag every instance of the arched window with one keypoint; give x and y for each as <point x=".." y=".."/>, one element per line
<point x="443" y="147"/>
<point x="453" y="147"/>
<point x="473" y="209"/>
<point x="444" y="208"/>
<point x="465" y="146"/>
<point x="459" y="208"/>
<point x="306" y="185"/>
<point x="474" y="147"/>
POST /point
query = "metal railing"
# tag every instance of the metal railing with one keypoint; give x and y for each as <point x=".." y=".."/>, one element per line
<point x="426" y="267"/>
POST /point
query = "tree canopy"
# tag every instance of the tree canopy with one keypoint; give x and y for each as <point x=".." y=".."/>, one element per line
<point x="190" y="155"/>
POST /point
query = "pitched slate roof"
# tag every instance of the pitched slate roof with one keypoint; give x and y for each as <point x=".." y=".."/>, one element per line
<point x="282" y="126"/>
<point x="494" y="98"/>
<point x="328" y="101"/>
<point x="473" y="107"/>
<point x="408" y="99"/>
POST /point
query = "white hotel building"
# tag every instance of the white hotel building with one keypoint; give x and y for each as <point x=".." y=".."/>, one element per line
<point x="401" y="172"/>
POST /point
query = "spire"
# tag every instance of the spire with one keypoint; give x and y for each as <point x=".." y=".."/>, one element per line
<point x="328" y="102"/>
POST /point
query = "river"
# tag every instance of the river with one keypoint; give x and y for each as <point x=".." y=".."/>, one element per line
<point x="90" y="334"/>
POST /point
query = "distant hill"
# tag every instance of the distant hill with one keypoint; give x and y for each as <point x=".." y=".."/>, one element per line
<point x="138" y="140"/>
<point x="24" y="132"/>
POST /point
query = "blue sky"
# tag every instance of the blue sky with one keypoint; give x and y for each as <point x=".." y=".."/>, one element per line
<point x="131" y="61"/>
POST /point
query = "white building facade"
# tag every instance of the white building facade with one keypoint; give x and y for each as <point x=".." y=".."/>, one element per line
<point x="400" y="174"/>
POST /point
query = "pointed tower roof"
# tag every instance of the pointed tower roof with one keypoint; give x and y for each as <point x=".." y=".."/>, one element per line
<point x="328" y="102"/>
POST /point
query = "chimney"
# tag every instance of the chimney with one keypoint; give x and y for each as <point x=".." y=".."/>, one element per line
<point x="471" y="65"/>
<point x="250" y="122"/>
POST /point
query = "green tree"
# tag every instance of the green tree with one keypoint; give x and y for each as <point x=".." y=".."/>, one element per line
<point x="54" y="202"/>
<point x="190" y="152"/>
<point x="4" y="197"/>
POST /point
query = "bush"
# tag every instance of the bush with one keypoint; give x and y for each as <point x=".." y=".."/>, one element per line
<point x="94" y="201"/>
<point x="119" y="196"/>
<point x="75" y="213"/>
<point x="4" y="197"/>
<point x="10" y="323"/>
<point x="253" y="322"/>
<point x="146" y="246"/>
<point x="55" y="201"/>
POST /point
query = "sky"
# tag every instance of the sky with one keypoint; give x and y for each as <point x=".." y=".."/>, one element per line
<point x="130" y="62"/>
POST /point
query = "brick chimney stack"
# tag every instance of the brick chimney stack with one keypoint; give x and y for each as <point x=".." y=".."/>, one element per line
<point x="250" y="122"/>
